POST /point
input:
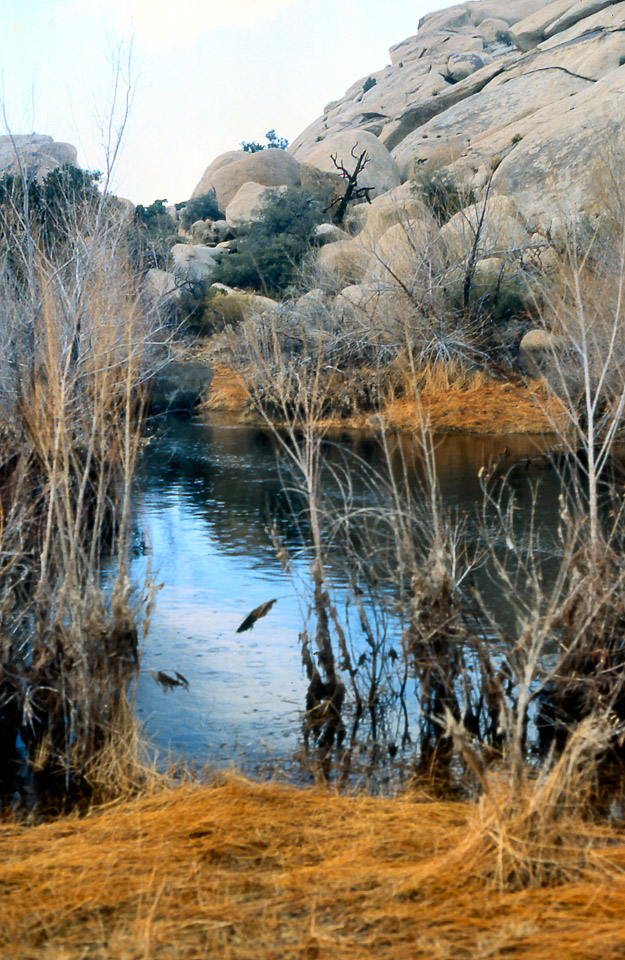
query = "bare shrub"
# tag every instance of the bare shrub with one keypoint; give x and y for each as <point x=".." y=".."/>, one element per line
<point x="370" y="343"/>
<point x="532" y="699"/>
<point x="79" y="347"/>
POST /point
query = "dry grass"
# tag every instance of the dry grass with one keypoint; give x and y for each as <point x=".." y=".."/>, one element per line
<point x="476" y="404"/>
<point x="79" y="347"/>
<point x="472" y="403"/>
<point x="227" y="391"/>
<point x="241" y="870"/>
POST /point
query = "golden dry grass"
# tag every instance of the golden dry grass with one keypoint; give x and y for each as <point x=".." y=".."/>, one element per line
<point x="479" y="405"/>
<point x="475" y="404"/>
<point x="243" y="870"/>
<point x="227" y="391"/>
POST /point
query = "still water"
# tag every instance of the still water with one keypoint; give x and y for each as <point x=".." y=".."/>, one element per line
<point x="209" y="492"/>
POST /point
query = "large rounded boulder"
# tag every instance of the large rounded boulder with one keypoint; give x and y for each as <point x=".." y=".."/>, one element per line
<point x="345" y="262"/>
<point x="227" y="174"/>
<point x="34" y="154"/>
<point x="381" y="173"/>
<point x="398" y="205"/>
<point x="495" y="232"/>
<point x="249" y="202"/>
<point x="194" y="262"/>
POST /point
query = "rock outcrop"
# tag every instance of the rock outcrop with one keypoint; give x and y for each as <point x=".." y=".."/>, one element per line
<point x="517" y="102"/>
<point x="248" y="203"/>
<point x="227" y="174"/>
<point x="34" y="154"/>
<point x="501" y="232"/>
<point x="381" y="172"/>
<point x="194" y="262"/>
<point x="532" y="90"/>
<point x="160" y="285"/>
<point x="179" y="386"/>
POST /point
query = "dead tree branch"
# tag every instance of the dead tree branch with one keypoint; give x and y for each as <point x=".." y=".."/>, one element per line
<point x="352" y="190"/>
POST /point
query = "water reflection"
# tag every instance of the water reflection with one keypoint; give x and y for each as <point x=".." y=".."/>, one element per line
<point x="209" y="492"/>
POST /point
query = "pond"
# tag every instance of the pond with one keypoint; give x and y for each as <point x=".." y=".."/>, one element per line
<point x="210" y="490"/>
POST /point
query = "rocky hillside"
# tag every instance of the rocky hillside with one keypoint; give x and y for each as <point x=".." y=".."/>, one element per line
<point x="524" y="96"/>
<point x="535" y="89"/>
<point x="513" y="111"/>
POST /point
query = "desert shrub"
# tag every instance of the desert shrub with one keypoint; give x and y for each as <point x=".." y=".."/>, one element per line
<point x="369" y="82"/>
<point x="442" y="194"/>
<point x="494" y="298"/>
<point x="151" y="236"/>
<point x="203" y="310"/>
<point x="278" y="143"/>
<point x="506" y="301"/>
<point x="198" y="208"/>
<point x="270" y="249"/>
<point x="273" y="140"/>
<point x="49" y="211"/>
<point x="252" y="146"/>
<point x="70" y="195"/>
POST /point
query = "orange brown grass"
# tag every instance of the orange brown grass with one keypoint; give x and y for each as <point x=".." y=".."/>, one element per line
<point x="240" y="869"/>
<point x="478" y="404"/>
<point x="448" y="403"/>
<point x="227" y="391"/>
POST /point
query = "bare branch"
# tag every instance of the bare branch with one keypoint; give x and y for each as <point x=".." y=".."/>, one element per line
<point x="352" y="191"/>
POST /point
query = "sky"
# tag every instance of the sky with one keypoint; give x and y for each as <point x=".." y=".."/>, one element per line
<point x="200" y="76"/>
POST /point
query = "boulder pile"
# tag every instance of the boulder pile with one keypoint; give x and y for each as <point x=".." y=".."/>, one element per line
<point x="516" y="107"/>
<point x="535" y="88"/>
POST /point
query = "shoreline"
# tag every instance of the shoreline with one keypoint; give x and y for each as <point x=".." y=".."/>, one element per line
<point x="485" y="407"/>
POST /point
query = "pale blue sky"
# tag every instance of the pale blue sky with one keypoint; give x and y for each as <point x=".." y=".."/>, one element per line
<point x="208" y="74"/>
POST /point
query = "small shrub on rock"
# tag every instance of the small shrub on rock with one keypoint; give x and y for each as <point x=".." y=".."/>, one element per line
<point x="273" y="140"/>
<point x="442" y="194"/>
<point x="270" y="249"/>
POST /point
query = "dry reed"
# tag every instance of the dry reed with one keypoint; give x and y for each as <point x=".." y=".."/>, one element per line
<point x="80" y="346"/>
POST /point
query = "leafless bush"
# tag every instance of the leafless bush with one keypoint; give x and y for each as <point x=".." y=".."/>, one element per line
<point x="79" y="346"/>
<point x="402" y="315"/>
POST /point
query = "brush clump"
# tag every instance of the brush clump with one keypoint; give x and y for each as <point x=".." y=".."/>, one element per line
<point x="80" y="345"/>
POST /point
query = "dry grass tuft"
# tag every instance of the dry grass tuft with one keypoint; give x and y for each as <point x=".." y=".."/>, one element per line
<point x="227" y="391"/>
<point x="241" y="869"/>
<point x="476" y="404"/>
<point x="538" y="833"/>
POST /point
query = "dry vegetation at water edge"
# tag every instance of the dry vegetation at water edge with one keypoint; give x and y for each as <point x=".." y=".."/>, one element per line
<point x="240" y="869"/>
